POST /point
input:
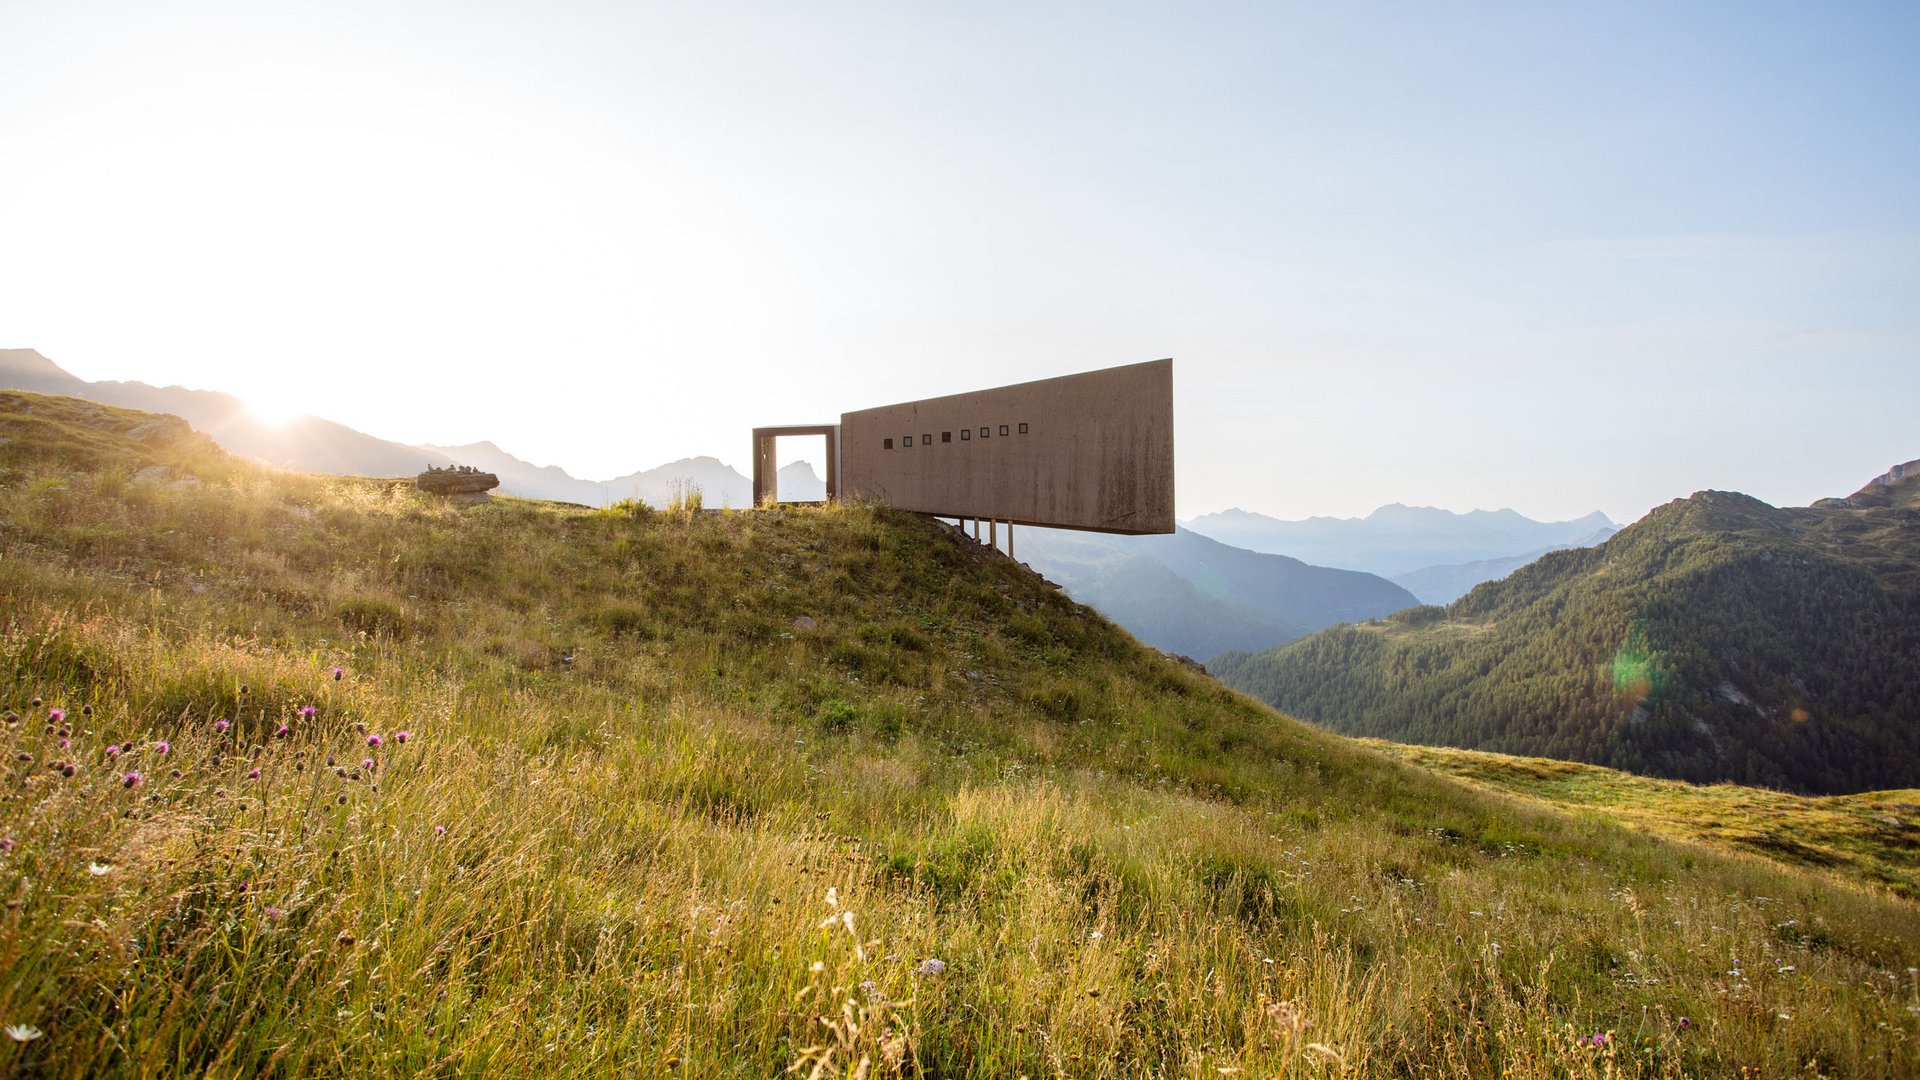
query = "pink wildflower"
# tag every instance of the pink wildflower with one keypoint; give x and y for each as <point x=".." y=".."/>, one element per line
<point x="131" y="780"/>
<point x="402" y="736"/>
<point x="306" y="712"/>
<point x="221" y="725"/>
<point x="64" y="744"/>
<point x="56" y="715"/>
<point x="373" y="740"/>
<point x="337" y="673"/>
<point x="367" y="764"/>
<point x="283" y="732"/>
<point x="161" y="748"/>
<point x="253" y="774"/>
<point x="113" y="751"/>
<point x="438" y="830"/>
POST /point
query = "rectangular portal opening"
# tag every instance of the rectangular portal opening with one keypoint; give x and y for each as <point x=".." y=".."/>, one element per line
<point x="801" y="468"/>
<point x="796" y="464"/>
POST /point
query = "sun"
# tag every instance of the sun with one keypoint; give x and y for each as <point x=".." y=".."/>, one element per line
<point x="277" y="409"/>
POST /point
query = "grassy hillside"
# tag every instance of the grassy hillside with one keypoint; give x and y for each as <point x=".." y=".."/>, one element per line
<point x="1718" y="638"/>
<point x="720" y="794"/>
<point x="1871" y="838"/>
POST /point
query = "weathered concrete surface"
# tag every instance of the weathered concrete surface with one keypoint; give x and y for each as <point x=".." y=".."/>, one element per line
<point x="1097" y="452"/>
<point x="765" y="463"/>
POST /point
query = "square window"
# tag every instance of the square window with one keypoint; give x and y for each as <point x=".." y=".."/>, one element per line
<point x="966" y="434"/>
<point x="1003" y="429"/>
<point x="886" y="444"/>
<point x="926" y="440"/>
<point x="946" y="436"/>
<point x="983" y="433"/>
<point x="1023" y="429"/>
<point x="907" y="441"/>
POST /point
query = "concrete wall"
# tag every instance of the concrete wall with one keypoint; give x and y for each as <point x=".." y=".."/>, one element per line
<point x="1091" y="451"/>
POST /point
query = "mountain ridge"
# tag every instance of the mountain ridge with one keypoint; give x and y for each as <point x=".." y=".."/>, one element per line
<point x="1396" y="538"/>
<point x="1718" y="638"/>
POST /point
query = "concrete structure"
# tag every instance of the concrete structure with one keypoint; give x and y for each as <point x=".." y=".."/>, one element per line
<point x="1091" y="451"/>
<point x="766" y="465"/>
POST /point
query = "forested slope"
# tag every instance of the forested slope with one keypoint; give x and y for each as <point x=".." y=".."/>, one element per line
<point x="1718" y="638"/>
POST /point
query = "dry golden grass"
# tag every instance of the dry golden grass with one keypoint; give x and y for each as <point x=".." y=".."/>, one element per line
<point x="959" y="827"/>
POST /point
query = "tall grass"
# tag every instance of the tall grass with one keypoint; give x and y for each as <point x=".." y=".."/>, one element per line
<point x="649" y="821"/>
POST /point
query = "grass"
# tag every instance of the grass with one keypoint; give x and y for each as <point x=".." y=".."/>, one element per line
<point x="711" y="794"/>
<point x="1871" y="838"/>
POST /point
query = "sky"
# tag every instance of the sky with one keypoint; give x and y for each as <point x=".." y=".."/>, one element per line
<point x="1553" y="257"/>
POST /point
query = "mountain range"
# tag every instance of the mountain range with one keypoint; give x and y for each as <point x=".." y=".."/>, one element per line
<point x="1398" y="539"/>
<point x="1445" y="584"/>
<point x="1187" y="594"/>
<point x="1718" y="638"/>
<point x="311" y="444"/>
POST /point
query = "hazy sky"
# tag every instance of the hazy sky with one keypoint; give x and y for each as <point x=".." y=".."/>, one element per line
<point x="1464" y="255"/>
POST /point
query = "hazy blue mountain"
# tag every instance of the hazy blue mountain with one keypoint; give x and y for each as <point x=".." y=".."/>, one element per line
<point x="1445" y="584"/>
<point x="720" y="484"/>
<point x="309" y="443"/>
<point x="1188" y="594"/>
<point x="315" y="445"/>
<point x="1397" y="539"/>
<point x="522" y="478"/>
<point x="799" y="483"/>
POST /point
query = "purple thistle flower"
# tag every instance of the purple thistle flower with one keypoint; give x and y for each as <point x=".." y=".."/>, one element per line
<point x="161" y="748"/>
<point x="221" y="725"/>
<point x="253" y="774"/>
<point x="274" y="914"/>
<point x="402" y="736"/>
<point x="283" y="732"/>
<point x="306" y="712"/>
<point x="373" y="740"/>
<point x="56" y="715"/>
<point x="438" y="830"/>
<point x="367" y="764"/>
<point x="337" y="673"/>
<point x="1685" y="1023"/>
<point x="113" y="751"/>
<point x="131" y="780"/>
<point x="6" y="842"/>
<point x="64" y="744"/>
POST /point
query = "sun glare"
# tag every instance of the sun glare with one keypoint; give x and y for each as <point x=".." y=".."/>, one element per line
<point x="274" y="409"/>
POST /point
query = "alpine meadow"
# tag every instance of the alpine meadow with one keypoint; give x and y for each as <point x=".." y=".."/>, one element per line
<point x="323" y="776"/>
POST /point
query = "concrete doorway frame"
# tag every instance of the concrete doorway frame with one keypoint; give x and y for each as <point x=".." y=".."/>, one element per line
<point x="766" y="466"/>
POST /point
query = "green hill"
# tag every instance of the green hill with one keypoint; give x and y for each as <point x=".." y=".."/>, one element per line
<point x="1873" y="836"/>
<point x="721" y="794"/>
<point x="1718" y="638"/>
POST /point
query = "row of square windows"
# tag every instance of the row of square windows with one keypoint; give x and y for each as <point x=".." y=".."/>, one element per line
<point x="966" y="435"/>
